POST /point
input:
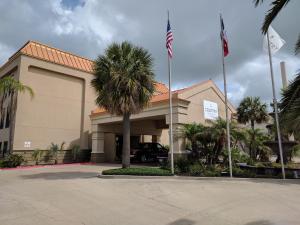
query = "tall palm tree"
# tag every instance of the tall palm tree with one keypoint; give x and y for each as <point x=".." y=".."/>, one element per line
<point x="252" y="110"/>
<point x="124" y="82"/>
<point x="290" y="107"/>
<point x="9" y="88"/>
<point x="277" y="6"/>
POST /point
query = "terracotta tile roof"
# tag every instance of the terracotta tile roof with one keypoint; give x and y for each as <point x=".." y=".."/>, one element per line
<point x="54" y="55"/>
<point x="161" y="88"/>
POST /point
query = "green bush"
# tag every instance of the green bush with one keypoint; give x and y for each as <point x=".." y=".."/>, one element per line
<point x="212" y="171"/>
<point x="196" y="170"/>
<point x="11" y="161"/>
<point x="142" y="171"/>
<point x="237" y="156"/>
<point x="37" y="155"/>
<point x="237" y="172"/>
<point x="182" y="165"/>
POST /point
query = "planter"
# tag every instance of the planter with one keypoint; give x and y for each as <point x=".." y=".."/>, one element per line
<point x="271" y="171"/>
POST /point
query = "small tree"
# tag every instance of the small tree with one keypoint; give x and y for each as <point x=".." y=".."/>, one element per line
<point x="37" y="155"/>
<point x="9" y="88"/>
<point x="255" y="142"/>
<point x="54" y="149"/>
<point x="192" y="133"/>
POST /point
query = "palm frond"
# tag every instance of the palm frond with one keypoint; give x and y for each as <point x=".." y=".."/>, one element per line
<point x="257" y="2"/>
<point x="277" y="5"/>
<point x="297" y="48"/>
<point x="124" y="78"/>
<point x="290" y="106"/>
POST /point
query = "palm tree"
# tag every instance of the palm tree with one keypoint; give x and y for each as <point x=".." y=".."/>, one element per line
<point x="277" y="6"/>
<point x="255" y="140"/>
<point x="193" y="132"/>
<point x="124" y="83"/>
<point x="290" y="107"/>
<point x="252" y="110"/>
<point x="9" y="88"/>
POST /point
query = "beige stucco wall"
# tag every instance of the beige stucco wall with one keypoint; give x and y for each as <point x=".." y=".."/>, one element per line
<point x="196" y="97"/>
<point x="59" y="111"/>
<point x="195" y="109"/>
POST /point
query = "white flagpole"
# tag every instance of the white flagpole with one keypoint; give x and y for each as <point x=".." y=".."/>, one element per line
<point x="171" y="112"/>
<point x="276" y="108"/>
<point x="226" y="105"/>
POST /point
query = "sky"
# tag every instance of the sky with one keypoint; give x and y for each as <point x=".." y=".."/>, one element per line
<point x="87" y="27"/>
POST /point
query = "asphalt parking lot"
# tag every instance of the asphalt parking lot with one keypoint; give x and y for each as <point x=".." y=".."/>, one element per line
<point x="74" y="195"/>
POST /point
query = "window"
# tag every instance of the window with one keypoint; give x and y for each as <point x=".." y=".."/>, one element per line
<point x="5" y="147"/>
<point x="7" y="121"/>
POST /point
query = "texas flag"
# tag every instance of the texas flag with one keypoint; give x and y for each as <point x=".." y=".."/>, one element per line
<point x="224" y="38"/>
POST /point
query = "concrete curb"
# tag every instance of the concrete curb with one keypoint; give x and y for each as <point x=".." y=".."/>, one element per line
<point x="46" y="166"/>
<point x="175" y="177"/>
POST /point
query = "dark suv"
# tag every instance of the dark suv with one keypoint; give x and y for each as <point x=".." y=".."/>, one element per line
<point x="148" y="152"/>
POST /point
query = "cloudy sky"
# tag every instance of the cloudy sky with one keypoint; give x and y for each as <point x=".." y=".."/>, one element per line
<point x="87" y="27"/>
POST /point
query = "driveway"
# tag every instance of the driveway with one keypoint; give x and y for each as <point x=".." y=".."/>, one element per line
<point x="73" y="195"/>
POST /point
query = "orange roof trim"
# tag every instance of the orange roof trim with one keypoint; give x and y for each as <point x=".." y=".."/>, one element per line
<point x="54" y="55"/>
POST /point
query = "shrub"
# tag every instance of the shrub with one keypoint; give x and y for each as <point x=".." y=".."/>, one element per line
<point x="212" y="171"/>
<point x="142" y="171"/>
<point x="182" y="165"/>
<point x="75" y="152"/>
<point x="53" y="150"/>
<point x="37" y="155"/>
<point x="237" y="172"/>
<point x="237" y="156"/>
<point x="11" y="161"/>
<point x="196" y="169"/>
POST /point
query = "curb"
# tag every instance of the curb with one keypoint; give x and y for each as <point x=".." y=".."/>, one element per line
<point x="133" y="177"/>
<point x="175" y="177"/>
<point x="47" y="166"/>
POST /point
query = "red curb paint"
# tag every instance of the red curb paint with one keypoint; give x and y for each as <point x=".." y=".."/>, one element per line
<point x="48" y="166"/>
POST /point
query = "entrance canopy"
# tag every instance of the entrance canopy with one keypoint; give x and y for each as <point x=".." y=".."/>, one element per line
<point x="189" y="105"/>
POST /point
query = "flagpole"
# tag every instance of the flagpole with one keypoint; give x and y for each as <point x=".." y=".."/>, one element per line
<point x="275" y="108"/>
<point x="171" y="113"/>
<point x="226" y="104"/>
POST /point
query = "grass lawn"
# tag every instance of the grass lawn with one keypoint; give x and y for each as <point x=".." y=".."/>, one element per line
<point x="141" y="171"/>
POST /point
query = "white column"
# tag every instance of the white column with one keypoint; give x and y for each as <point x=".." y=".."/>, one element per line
<point x="97" y="144"/>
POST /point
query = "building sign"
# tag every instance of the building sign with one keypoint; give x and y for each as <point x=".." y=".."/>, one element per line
<point x="27" y="144"/>
<point x="211" y="111"/>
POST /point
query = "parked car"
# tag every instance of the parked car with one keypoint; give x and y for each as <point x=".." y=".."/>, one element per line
<point x="148" y="152"/>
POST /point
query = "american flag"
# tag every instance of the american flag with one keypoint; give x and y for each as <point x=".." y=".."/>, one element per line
<point x="169" y="40"/>
<point x="224" y="38"/>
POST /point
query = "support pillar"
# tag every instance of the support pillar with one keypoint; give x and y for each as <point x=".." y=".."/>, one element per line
<point x="97" y="154"/>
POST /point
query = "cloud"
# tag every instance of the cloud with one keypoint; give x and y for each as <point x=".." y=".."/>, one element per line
<point x="87" y="27"/>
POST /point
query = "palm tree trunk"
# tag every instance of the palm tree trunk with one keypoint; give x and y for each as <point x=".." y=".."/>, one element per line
<point x="126" y="141"/>
<point x="252" y="125"/>
<point x="12" y="111"/>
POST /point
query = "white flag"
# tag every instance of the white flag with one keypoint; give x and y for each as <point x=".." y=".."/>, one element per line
<point x="276" y="42"/>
